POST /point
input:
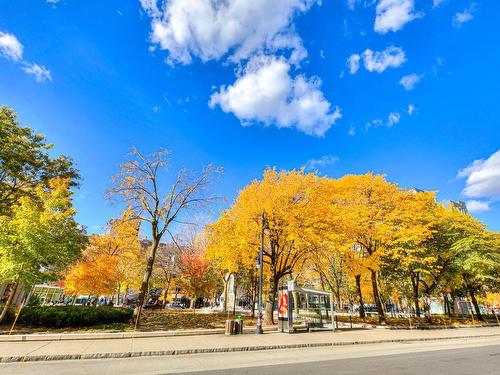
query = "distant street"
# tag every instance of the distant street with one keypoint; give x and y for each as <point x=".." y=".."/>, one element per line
<point x="457" y="356"/>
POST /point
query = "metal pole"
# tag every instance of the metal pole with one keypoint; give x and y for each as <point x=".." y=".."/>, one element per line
<point x="332" y="310"/>
<point x="259" y="329"/>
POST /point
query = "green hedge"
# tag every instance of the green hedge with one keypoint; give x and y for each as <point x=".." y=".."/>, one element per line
<point x="73" y="316"/>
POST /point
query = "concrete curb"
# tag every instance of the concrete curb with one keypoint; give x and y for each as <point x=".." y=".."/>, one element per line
<point x="421" y="328"/>
<point x="119" y="335"/>
<point x="60" y="357"/>
<point x="194" y="332"/>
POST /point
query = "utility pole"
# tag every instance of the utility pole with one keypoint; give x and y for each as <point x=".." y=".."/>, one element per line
<point x="258" y="329"/>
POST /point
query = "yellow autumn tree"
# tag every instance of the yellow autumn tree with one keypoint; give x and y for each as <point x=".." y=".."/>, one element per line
<point x="282" y="205"/>
<point x="93" y="276"/>
<point x="364" y="208"/>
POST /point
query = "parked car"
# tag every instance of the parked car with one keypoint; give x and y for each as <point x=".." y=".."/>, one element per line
<point x="153" y="305"/>
<point x="176" y="306"/>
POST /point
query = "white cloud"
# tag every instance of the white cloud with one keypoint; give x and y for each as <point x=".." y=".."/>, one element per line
<point x="409" y="81"/>
<point x="352" y="131"/>
<point x="10" y="47"/>
<point x="353" y="63"/>
<point x="393" y="119"/>
<point x="436" y="3"/>
<point x="391" y="57"/>
<point x="53" y="1"/>
<point x="411" y="109"/>
<point x="323" y="161"/>
<point x="151" y="8"/>
<point x="392" y="15"/>
<point x="465" y="16"/>
<point x="374" y="123"/>
<point x="40" y="73"/>
<point x="210" y="29"/>
<point x="264" y="91"/>
<point x="475" y="206"/>
<point x="482" y="178"/>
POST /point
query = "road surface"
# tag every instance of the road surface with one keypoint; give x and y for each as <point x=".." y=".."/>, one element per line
<point x="459" y="356"/>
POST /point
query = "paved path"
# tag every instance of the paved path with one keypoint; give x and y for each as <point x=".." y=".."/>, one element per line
<point x="454" y="356"/>
<point x="109" y="348"/>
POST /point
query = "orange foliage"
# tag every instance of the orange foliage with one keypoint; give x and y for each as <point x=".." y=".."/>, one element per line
<point x="93" y="276"/>
<point x="197" y="276"/>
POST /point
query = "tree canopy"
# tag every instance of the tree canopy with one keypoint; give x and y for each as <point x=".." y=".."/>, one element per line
<point x="26" y="161"/>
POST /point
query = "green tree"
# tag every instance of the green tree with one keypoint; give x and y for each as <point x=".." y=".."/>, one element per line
<point x="41" y="237"/>
<point x="477" y="261"/>
<point x="461" y="249"/>
<point x="25" y="161"/>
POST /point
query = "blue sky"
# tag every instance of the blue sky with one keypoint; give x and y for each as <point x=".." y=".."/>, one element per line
<point x="401" y="87"/>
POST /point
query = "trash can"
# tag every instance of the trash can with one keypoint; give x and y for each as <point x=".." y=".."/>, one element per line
<point x="230" y="324"/>
<point x="238" y="326"/>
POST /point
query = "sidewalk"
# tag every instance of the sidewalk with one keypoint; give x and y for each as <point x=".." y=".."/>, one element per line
<point x="155" y="346"/>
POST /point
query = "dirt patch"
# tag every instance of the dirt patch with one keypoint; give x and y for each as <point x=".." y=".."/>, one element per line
<point x="165" y="320"/>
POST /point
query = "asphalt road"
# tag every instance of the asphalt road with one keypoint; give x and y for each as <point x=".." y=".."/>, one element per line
<point x="483" y="360"/>
<point x="458" y="356"/>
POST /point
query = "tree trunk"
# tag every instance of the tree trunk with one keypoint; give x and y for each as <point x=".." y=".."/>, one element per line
<point x="118" y="294"/>
<point x="415" y="276"/>
<point x="125" y="297"/>
<point x="376" y="297"/>
<point x="234" y="294"/>
<point x="427" y="308"/>
<point x="165" y="292"/>
<point x="475" y="304"/>
<point x="193" y="304"/>
<point x="446" y="300"/>
<point x="362" y="313"/>
<point x="271" y="296"/>
<point x="145" y="280"/>
<point x="339" y="300"/>
<point x="12" y="293"/>
<point x="226" y="282"/>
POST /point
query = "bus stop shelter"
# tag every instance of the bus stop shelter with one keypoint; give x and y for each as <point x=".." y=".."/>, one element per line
<point x="304" y="309"/>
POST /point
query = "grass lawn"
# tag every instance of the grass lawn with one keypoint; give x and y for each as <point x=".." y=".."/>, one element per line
<point x="437" y="320"/>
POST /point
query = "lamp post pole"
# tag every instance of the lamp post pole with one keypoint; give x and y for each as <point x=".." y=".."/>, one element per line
<point x="259" y="329"/>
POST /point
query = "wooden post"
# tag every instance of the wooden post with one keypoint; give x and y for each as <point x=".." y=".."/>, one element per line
<point x="17" y="316"/>
<point x="137" y="318"/>
<point x="494" y="313"/>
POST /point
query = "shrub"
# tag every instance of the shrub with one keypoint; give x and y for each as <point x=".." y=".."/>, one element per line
<point x="34" y="300"/>
<point x="9" y="318"/>
<point x="73" y="316"/>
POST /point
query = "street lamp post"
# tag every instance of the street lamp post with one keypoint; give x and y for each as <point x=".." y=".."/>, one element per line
<point x="258" y="329"/>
